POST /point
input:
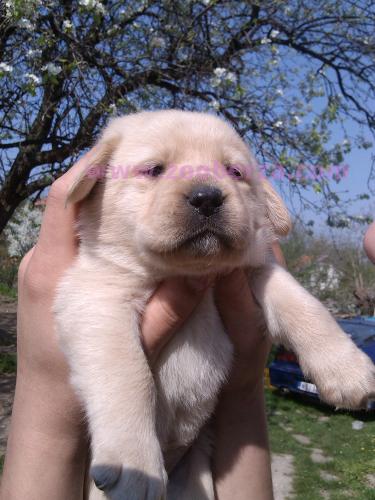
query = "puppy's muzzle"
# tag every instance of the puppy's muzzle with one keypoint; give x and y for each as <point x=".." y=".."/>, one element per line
<point x="206" y="199"/>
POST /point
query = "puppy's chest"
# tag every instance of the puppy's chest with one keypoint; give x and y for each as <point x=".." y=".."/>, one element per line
<point x="190" y="373"/>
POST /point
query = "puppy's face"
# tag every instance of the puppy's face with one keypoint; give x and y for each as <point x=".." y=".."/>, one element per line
<point x="181" y="193"/>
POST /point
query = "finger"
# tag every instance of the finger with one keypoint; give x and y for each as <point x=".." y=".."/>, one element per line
<point x="57" y="236"/>
<point x="369" y="242"/>
<point x="169" y="307"/>
<point x="239" y="312"/>
<point x="243" y="321"/>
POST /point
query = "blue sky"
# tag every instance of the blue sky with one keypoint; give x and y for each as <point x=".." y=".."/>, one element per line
<point x="359" y="162"/>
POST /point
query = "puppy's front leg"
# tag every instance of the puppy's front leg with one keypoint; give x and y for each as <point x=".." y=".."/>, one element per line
<point x="344" y="375"/>
<point x="100" y="335"/>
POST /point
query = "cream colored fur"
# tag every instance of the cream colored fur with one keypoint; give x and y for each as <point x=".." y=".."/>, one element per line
<point x="137" y="231"/>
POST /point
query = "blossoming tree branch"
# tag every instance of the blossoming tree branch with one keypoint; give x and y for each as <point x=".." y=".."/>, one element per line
<point x="282" y="72"/>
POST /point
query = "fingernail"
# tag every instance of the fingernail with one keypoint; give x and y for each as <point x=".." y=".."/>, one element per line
<point x="201" y="283"/>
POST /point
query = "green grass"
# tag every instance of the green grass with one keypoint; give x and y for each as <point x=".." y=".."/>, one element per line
<point x="353" y="452"/>
<point x="8" y="291"/>
<point x="8" y="363"/>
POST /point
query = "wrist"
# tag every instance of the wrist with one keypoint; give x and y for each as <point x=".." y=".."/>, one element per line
<point x="47" y="439"/>
<point x="237" y="404"/>
<point x="50" y="407"/>
<point x="241" y="462"/>
<point x="246" y="376"/>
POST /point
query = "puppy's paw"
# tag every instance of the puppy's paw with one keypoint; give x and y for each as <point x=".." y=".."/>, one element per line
<point x="105" y="477"/>
<point x="134" y="478"/>
<point x="124" y="483"/>
<point x="345" y="376"/>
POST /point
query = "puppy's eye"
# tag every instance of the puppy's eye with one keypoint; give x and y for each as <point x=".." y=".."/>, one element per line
<point x="154" y="171"/>
<point x="233" y="171"/>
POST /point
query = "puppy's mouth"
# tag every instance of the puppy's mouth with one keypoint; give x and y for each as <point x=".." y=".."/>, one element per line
<point x="200" y="242"/>
<point x="205" y="241"/>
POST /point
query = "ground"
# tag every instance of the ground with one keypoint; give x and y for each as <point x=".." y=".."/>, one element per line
<point x="7" y="365"/>
<point x="316" y="453"/>
<point x="319" y="449"/>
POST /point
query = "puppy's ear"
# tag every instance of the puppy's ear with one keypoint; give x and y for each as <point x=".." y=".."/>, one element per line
<point x="276" y="211"/>
<point x="86" y="180"/>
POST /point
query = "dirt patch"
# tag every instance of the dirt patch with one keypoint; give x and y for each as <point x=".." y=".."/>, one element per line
<point x="302" y="439"/>
<point x="286" y="428"/>
<point x="323" y="419"/>
<point x="325" y="495"/>
<point x="8" y="345"/>
<point x="370" y="480"/>
<point x="7" y="386"/>
<point x="318" y="457"/>
<point x="282" y="476"/>
<point x="326" y="476"/>
<point x="8" y="324"/>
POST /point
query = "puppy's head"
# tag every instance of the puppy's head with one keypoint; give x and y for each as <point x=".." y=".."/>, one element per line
<point x="180" y="193"/>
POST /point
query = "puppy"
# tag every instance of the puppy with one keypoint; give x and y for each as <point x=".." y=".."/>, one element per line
<point x="181" y="196"/>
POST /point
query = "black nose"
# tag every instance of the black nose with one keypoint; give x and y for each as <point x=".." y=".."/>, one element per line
<point x="206" y="199"/>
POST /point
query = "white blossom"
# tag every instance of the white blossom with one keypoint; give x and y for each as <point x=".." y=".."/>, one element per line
<point x="26" y="24"/>
<point x="215" y="104"/>
<point x="278" y="124"/>
<point x="67" y="25"/>
<point x="34" y="53"/>
<point x="113" y="108"/>
<point x="9" y="6"/>
<point x="99" y="7"/>
<point x="296" y="120"/>
<point x="113" y="30"/>
<point x="6" y="68"/>
<point x="220" y="72"/>
<point x="35" y="79"/>
<point x="22" y="231"/>
<point x="93" y="5"/>
<point x="231" y="77"/>
<point x="279" y="92"/>
<point x="52" y="69"/>
<point x="222" y="75"/>
<point x="265" y="40"/>
<point x="158" y="42"/>
<point x="274" y="33"/>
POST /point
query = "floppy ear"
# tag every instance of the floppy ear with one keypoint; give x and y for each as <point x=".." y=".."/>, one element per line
<point x="276" y="211"/>
<point x="86" y="179"/>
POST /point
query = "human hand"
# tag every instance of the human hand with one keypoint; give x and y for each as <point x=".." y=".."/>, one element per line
<point x="241" y="461"/>
<point x="369" y="242"/>
<point x="47" y="436"/>
<point x="244" y="324"/>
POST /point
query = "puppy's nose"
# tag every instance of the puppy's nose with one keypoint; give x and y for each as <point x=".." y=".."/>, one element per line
<point x="206" y="199"/>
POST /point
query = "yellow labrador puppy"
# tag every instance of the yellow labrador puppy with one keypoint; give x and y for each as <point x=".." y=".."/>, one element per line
<point x="179" y="195"/>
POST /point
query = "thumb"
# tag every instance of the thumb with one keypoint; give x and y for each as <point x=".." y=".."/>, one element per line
<point x="169" y="307"/>
<point x="240" y="313"/>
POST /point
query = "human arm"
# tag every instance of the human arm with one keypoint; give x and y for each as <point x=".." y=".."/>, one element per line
<point x="241" y="464"/>
<point x="47" y="447"/>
